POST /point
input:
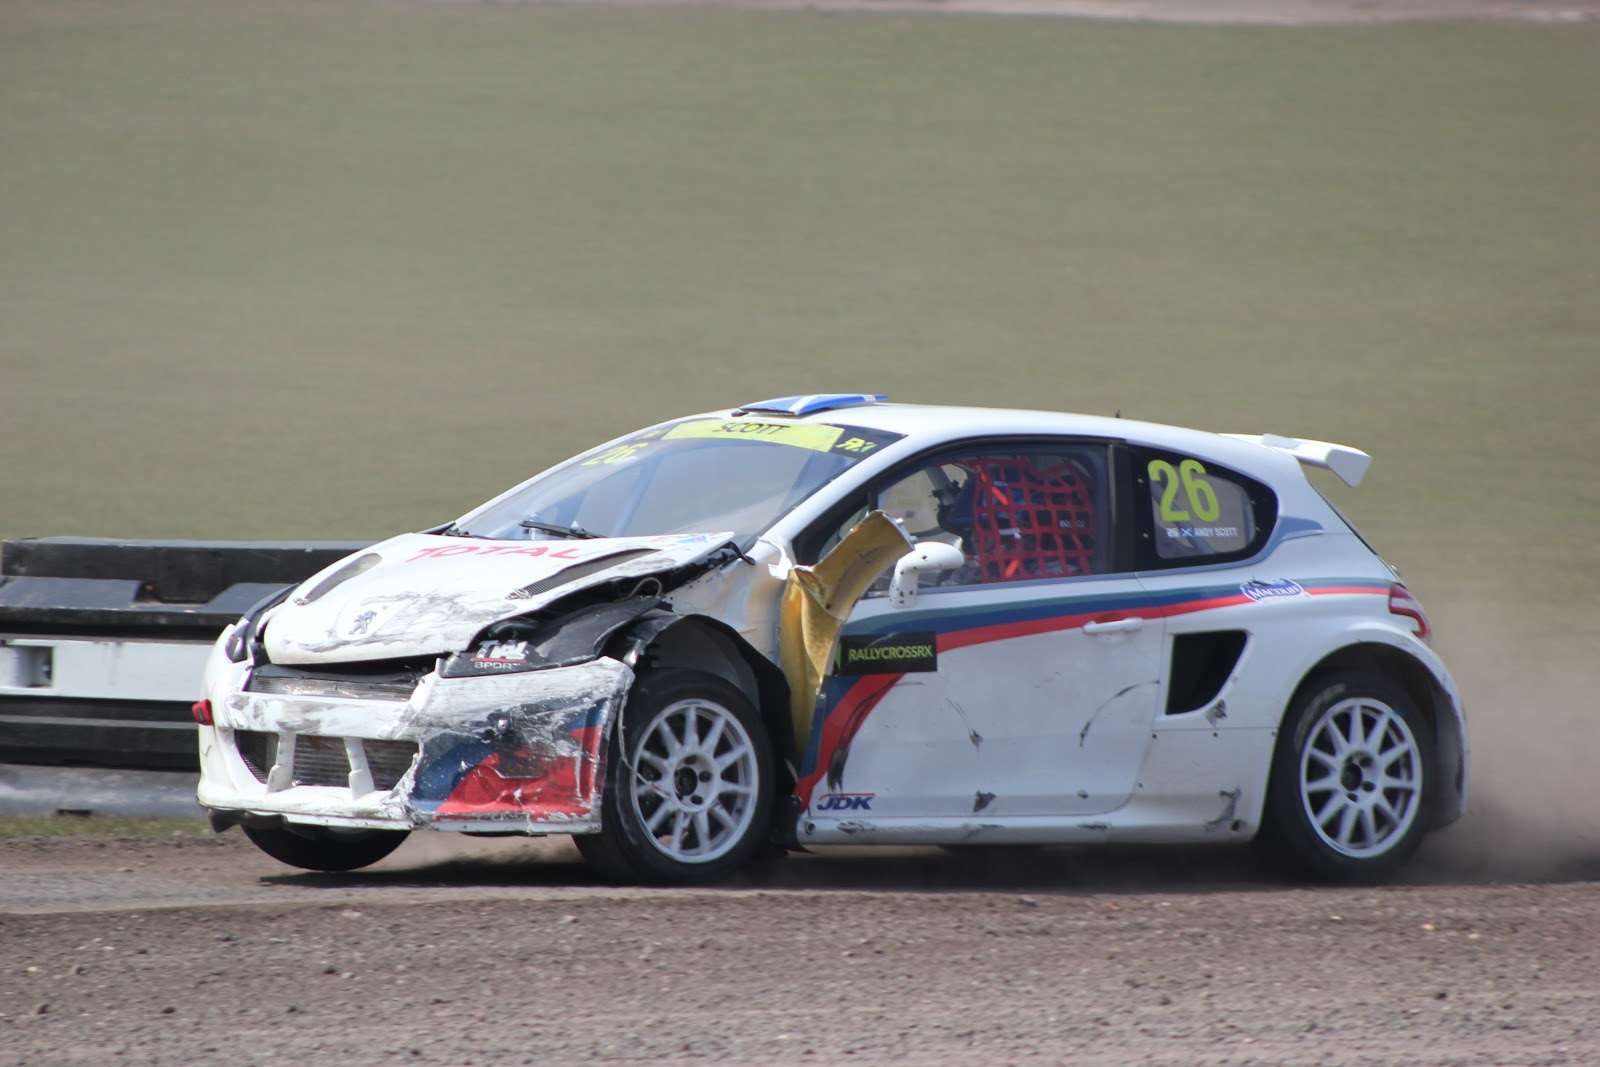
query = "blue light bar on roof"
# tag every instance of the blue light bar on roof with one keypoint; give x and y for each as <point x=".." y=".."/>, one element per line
<point x="808" y="405"/>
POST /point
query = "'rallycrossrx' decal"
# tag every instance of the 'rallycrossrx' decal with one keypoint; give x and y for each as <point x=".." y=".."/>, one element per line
<point x="888" y="653"/>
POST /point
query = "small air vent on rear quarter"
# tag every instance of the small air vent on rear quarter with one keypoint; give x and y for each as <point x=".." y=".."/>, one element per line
<point x="1201" y="664"/>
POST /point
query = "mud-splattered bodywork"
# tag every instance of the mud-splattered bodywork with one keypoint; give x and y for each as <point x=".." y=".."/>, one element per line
<point x="521" y="751"/>
<point x="450" y="684"/>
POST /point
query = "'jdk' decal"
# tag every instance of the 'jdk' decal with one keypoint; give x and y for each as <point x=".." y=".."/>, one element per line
<point x="846" y="802"/>
<point x="888" y="654"/>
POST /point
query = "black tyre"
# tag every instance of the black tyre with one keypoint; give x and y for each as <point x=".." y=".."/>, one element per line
<point x="1353" y="779"/>
<point x="689" y="789"/>
<point x="315" y="849"/>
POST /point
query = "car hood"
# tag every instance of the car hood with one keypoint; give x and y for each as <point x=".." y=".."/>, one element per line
<point x="421" y="594"/>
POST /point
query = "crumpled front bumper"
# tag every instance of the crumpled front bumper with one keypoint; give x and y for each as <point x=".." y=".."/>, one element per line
<point x="511" y="753"/>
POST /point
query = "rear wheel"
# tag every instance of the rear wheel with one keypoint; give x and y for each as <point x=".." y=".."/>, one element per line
<point x="689" y="783"/>
<point x="314" y="848"/>
<point x="1352" y="778"/>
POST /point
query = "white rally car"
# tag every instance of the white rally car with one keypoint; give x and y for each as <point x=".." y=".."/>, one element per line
<point x="830" y="619"/>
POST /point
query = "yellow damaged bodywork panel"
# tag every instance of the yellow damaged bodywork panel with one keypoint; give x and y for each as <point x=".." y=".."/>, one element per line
<point x="816" y="602"/>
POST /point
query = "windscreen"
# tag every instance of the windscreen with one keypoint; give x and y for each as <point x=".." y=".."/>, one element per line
<point x="695" y="476"/>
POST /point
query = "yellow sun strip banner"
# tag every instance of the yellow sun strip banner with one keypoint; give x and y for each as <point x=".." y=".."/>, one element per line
<point x="816" y="602"/>
<point x="815" y="436"/>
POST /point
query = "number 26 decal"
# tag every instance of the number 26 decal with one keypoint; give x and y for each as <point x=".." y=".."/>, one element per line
<point x="1188" y="475"/>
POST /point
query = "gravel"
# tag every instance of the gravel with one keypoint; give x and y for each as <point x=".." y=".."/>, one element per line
<point x="454" y="952"/>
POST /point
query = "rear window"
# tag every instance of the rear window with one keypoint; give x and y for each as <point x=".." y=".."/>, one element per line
<point x="1193" y="512"/>
<point x="1359" y="536"/>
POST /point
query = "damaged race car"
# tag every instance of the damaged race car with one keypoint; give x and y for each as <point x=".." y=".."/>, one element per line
<point x="833" y="620"/>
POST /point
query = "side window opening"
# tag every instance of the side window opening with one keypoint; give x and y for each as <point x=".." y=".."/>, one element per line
<point x="1016" y="514"/>
<point x="1029" y="517"/>
<point x="1192" y="512"/>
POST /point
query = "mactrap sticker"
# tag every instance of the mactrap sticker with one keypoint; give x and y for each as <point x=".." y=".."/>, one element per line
<point x="1256" y="589"/>
<point x="888" y="654"/>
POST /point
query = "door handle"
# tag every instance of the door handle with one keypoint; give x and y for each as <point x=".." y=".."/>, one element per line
<point x="1115" y="626"/>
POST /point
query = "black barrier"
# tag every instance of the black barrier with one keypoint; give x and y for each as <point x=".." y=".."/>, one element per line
<point x="193" y="588"/>
<point x="61" y="595"/>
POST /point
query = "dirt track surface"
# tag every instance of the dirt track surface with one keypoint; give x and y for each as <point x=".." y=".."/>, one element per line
<point x="198" y="950"/>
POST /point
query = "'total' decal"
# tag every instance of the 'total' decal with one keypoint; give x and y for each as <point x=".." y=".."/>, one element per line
<point x="445" y="551"/>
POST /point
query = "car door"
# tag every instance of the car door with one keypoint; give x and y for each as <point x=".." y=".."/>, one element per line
<point x="1022" y="683"/>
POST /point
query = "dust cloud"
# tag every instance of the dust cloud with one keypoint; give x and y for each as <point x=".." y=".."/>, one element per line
<point x="426" y="849"/>
<point x="1528" y="676"/>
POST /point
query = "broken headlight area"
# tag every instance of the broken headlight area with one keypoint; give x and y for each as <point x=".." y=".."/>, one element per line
<point x="393" y="680"/>
<point x="244" y="642"/>
<point x="567" y="637"/>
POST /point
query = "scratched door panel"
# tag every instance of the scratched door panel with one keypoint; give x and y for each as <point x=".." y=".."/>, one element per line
<point x="1026" y="714"/>
<point x="1063" y="715"/>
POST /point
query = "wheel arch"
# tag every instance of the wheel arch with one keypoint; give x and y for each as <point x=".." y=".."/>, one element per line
<point x="1434" y="696"/>
<point x="699" y="642"/>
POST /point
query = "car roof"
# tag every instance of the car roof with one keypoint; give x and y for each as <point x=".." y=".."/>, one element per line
<point x="929" y="425"/>
<point x="935" y="422"/>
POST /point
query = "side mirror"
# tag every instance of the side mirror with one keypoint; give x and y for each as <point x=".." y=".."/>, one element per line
<point x="927" y="557"/>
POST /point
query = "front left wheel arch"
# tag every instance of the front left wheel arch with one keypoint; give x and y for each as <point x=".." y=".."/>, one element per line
<point x="682" y="722"/>
<point x="663" y="639"/>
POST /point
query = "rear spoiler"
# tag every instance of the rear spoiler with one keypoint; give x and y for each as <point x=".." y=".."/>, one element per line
<point x="1350" y="464"/>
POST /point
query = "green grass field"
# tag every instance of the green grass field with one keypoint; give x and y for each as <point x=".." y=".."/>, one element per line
<point x="296" y="270"/>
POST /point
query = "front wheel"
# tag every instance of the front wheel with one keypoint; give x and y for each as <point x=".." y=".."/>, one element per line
<point x="316" y="849"/>
<point x="689" y="783"/>
<point x="1352" y="778"/>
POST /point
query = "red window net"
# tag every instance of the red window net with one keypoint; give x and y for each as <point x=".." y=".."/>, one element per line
<point x="1030" y="521"/>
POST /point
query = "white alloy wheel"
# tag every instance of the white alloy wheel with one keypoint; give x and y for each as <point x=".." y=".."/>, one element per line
<point x="694" y="782"/>
<point x="1361" y="776"/>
